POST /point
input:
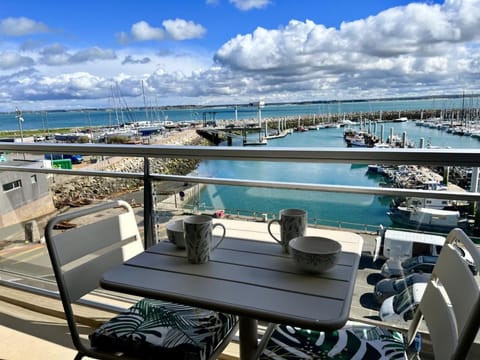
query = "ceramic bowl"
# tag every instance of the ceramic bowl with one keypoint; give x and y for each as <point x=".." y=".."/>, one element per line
<point x="175" y="233"/>
<point x="314" y="254"/>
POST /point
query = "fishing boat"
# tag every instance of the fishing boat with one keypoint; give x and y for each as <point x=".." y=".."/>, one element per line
<point x="427" y="219"/>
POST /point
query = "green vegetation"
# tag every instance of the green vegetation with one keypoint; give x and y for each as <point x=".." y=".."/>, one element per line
<point x="16" y="133"/>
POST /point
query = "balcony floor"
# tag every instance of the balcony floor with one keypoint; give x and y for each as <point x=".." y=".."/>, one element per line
<point x="29" y="332"/>
<point x="36" y="320"/>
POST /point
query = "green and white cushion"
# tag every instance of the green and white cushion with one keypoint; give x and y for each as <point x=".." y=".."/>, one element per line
<point x="353" y="341"/>
<point x="158" y="329"/>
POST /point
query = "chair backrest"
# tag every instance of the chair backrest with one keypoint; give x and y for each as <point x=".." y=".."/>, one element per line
<point x="450" y="305"/>
<point x="82" y="254"/>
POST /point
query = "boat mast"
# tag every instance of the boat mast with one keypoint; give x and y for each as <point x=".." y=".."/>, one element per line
<point x="144" y="101"/>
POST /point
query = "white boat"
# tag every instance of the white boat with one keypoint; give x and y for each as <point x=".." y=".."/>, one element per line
<point x="358" y="142"/>
<point x="426" y="219"/>
<point x="434" y="203"/>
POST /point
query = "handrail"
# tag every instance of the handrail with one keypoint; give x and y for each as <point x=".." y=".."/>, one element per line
<point x="467" y="157"/>
<point x="451" y="195"/>
<point x="446" y="157"/>
<point x="427" y="157"/>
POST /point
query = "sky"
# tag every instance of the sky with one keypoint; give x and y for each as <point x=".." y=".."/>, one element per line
<point x="94" y="54"/>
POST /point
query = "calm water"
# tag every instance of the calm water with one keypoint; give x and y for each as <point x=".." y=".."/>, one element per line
<point x="71" y="119"/>
<point x="326" y="208"/>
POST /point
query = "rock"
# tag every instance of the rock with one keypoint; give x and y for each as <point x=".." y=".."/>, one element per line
<point x="84" y="188"/>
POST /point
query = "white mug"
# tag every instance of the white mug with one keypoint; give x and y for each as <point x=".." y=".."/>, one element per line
<point x="199" y="239"/>
<point x="293" y="223"/>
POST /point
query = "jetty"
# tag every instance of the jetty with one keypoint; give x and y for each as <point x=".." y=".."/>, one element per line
<point x="217" y="135"/>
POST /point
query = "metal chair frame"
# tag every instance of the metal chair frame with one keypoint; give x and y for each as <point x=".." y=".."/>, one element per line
<point x="80" y="256"/>
<point x="450" y="305"/>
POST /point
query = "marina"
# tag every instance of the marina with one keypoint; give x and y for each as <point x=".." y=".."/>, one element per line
<point x="365" y="211"/>
<point x="326" y="208"/>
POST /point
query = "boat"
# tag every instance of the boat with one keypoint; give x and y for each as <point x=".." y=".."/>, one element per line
<point x="427" y="219"/>
<point x="150" y="129"/>
<point x="278" y="135"/>
<point x="357" y="142"/>
<point x="301" y="129"/>
<point x="262" y="141"/>
<point x="376" y="169"/>
<point x="433" y="203"/>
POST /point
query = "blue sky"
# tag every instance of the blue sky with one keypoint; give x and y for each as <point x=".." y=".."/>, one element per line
<point x="63" y="55"/>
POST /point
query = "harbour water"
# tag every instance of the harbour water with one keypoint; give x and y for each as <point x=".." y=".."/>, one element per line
<point x="48" y="121"/>
<point x="323" y="208"/>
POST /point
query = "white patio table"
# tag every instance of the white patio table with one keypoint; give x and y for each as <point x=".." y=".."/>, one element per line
<point x="248" y="275"/>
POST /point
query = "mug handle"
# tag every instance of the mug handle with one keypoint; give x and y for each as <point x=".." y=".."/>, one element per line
<point x="222" y="237"/>
<point x="270" y="232"/>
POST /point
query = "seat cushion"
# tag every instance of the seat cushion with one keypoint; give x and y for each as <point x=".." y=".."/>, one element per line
<point x="153" y="328"/>
<point x="354" y="341"/>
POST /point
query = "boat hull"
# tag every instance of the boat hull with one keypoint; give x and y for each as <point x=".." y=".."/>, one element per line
<point x="417" y="219"/>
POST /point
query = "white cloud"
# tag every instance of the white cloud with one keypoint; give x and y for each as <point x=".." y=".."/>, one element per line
<point x="57" y="54"/>
<point x="142" y="31"/>
<point x="417" y="49"/>
<point x="11" y="60"/>
<point x="21" y="26"/>
<point x="178" y="29"/>
<point x="390" y="52"/>
<point x="246" y="5"/>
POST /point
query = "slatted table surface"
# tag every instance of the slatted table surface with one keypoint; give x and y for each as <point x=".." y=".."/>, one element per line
<point x="248" y="275"/>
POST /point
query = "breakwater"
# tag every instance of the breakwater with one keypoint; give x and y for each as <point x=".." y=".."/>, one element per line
<point x="70" y="191"/>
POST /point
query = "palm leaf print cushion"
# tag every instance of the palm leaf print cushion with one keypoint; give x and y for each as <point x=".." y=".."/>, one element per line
<point x="354" y="341"/>
<point x="153" y="328"/>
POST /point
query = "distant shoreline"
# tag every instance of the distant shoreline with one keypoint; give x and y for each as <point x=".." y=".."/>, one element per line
<point x="307" y="119"/>
<point x="305" y="102"/>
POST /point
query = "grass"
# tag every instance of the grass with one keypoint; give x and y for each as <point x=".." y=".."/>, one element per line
<point x="16" y="133"/>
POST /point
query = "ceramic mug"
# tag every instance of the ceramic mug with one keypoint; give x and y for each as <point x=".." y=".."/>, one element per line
<point x="175" y="233"/>
<point x="199" y="239"/>
<point x="293" y="223"/>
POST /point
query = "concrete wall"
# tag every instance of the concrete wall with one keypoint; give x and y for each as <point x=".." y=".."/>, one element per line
<point x="30" y="201"/>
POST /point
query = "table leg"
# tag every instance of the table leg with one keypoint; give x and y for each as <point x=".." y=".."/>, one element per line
<point x="248" y="338"/>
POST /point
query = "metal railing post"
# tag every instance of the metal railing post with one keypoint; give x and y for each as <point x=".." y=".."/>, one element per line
<point x="148" y="226"/>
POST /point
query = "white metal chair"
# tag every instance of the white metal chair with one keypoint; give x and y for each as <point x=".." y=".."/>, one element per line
<point x="150" y="328"/>
<point x="450" y="307"/>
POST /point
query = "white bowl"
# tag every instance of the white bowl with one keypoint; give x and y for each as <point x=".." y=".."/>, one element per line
<point x="175" y="233"/>
<point x="314" y="254"/>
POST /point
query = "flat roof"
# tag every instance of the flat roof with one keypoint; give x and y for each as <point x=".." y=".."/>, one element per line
<point x="408" y="236"/>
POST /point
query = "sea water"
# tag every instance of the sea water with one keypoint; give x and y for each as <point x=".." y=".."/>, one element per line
<point x="334" y="209"/>
<point x="325" y="208"/>
<point x="50" y="120"/>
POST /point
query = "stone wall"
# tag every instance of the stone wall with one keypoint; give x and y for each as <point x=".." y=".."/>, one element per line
<point x="68" y="190"/>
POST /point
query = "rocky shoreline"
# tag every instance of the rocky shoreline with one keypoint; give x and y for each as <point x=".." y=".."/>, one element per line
<point x="80" y="190"/>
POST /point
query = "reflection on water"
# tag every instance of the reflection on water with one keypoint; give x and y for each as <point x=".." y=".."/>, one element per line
<point x="330" y="207"/>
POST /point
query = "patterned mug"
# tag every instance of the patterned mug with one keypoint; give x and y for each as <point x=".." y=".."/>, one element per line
<point x="199" y="239"/>
<point x="293" y="223"/>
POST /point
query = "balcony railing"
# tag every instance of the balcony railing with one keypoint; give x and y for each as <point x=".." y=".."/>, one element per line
<point x="422" y="157"/>
<point x="469" y="158"/>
